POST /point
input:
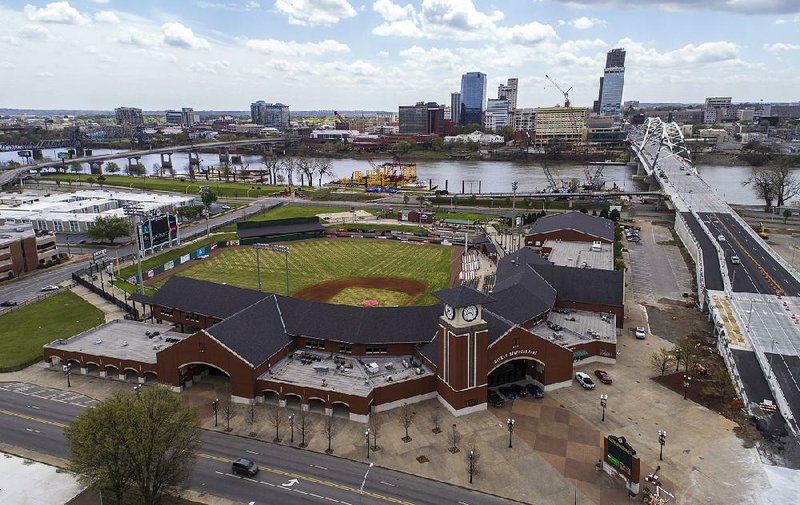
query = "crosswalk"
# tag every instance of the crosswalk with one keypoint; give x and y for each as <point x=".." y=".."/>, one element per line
<point x="44" y="393"/>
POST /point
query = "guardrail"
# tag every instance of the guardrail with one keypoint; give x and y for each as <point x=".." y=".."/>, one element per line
<point x="695" y="251"/>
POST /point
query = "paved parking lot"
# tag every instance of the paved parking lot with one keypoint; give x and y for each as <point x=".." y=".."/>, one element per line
<point x="48" y="394"/>
<point x="658" y="271"/>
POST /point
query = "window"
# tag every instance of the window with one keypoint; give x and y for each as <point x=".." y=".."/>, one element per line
<point x="346" y="348"/>
<point x="315" y="343"/>
<point x="372" y="349"/>
<point x="74" y="226"/>
<point x="201" y="346"/>
<point x="192" y="317"/>
<point x="165" y="311"/>
<point x="58" y="226"/>
<point x="41" y="224"/>
<point x="515" y="342"/>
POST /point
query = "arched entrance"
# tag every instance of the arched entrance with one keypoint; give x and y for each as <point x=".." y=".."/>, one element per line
<point x="211" y="376"/>
<point x="516" y="370"/>
<point x="92" y="369"/>
<point x="150" y="377"/>
<point x="131" y="375"/>
<point x="341" y="410"/>
<point x="293" y="401"/>
<point x="316" y="405"/>
<point x="270" y="397"/>
<point x="112" y="372"/>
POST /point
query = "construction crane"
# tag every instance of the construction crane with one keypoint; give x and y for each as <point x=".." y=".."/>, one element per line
<point x="566" y="93"/>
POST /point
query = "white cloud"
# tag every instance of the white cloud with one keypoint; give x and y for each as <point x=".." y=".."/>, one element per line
<point x="391" y="11"/>
<point x="285" y="48"/>
<point x="584" y="23"/>
<point x="383" y="54"/>
<point x="576" y="46"/>
<point x="742" y="6"/>
<point x="210" y="67"/>
<point x="33" y="32"/>
<point x="230" y="6"/>
<point x="10" y="40"/>
<point x="106" y="17"/>
<point x="45" y="73"/>
<point x="315" y="12"/>
<point x="780" y="47"/>
<point x="686" y="56"/>
<point x="179" y="35"/>
<point x="527" y="35"/>
<point x="136" y="38"/>
<point x="101" y="1"/>
<point x="55" y="12"/>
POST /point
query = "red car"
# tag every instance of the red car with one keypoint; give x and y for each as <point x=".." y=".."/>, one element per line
<point x="603" y="376"/>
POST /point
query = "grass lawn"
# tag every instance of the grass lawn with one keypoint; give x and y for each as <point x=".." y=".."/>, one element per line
<point x="24" y="331"/>
<point x="378" y="227"/>
<point x="314" y="261"/>
<point x="384" y="297"/>
<point x="288" y="211"/>
<point x="467" y="216"/>
<point x="221" y="188"/>
<point x="175" y="252"/>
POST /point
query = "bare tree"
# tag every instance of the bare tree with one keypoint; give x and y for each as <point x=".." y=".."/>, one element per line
<point x="786" y="184"/>
<point x="472" y="456"/>
<point x="686" y="353"/>
<point x="324" y="167"/>
<point x="306" y="425"/>
<point x="330" y="428"/>
<point x="227" y="411"/>
<point x="406" y="416"/>
<point x="271" y="164"/>
<point x="306" y="167"/>
<point x="453" y="438"/>
<point x="762" y="182"/>
<point x="288" y="166"/>
<point x="251" y="418"/>
<point x="276" y="419"/>
<point x="436" y="419"/>
<point x="660" y="359"/>
<point x="375" y="424"/>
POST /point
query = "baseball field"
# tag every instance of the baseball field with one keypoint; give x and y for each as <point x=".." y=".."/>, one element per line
<point x="365" y="272"/>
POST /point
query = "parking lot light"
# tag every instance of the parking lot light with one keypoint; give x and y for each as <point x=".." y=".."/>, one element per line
<point x="662" y="439"/>
<point x="67" y="371"/>
<point x="687" y="380"/>
<point x="291" y="424"/>
<point x="510" y="425"/>
<point x="215" y="403"/>
<point x="366" y="434"/>
<point x="603" y="403"/>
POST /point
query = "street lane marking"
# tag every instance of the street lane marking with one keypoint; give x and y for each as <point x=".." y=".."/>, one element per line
<point x="332" y="499"/>
<point x="250" y="452"/>
<point x="299" y="491"/>
<point x="316" y="496"/>
<point x="320" y="467"/>
<point x="275" y="471"/>
<point x="388" y="484"/>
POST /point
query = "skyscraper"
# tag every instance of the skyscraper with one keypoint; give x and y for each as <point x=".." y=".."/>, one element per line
<point x="269" y="114"/>
<point x="473" y="98"/>
<point x="612" y="83"/>
<point x="422" y="118"/>
<point x="509" y="92"/>
<point x="455" y="106"/>
<point x="496" y="116"/>
<point x="130" y="116"/>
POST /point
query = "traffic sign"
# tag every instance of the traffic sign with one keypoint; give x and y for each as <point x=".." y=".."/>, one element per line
<point x="99" y="254"/>
<point x="63" y="156"/>
<point x="24" y="154"/>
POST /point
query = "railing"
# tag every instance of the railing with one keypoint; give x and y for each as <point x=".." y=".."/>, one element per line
<point x="692" y="245"/>
<point x="104" y="294"/>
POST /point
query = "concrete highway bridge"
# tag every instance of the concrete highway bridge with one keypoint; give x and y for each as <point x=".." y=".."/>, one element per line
<point x="95" y="162"/>
<point x="753" y="301"/>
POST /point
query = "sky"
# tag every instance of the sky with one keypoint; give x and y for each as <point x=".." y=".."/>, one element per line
<point x="376" y="55"/>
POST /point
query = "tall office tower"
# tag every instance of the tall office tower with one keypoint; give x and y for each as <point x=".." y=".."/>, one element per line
<point x="269" y="114"/>
<point x="612" y="83"/>
<point x="455" y="106"/>
<point x="187" y="117"/>
<point x="509" y="92"/>
<point x="473" y="97"/>
<point x="130" y="116"/>
<point x="423" y="118"/>
<point x="496" y="116"/>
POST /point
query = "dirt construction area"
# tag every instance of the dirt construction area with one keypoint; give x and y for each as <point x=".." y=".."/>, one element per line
<point x="328" y="290"/>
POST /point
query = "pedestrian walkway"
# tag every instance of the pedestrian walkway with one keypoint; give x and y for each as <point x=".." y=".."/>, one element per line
<point x="110" y="311"/>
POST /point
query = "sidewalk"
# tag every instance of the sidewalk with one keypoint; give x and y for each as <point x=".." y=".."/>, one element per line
<point x="111" y="311"/>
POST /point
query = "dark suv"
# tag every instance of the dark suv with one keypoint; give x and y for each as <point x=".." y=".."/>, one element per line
<point x="243" y="466"/>
<point x="534" y="390"/>
<point x="494" y="399"/>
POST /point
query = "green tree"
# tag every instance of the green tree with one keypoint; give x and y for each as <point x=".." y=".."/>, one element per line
<point x="189" y="211"/>
<point x="101" y="179"/>
<point x="208" y="197"/>
<point x="604" y="213"/>
<point x="137" y="170"/>
<point x="75" y="167"/>
<point x="140" y="444"/>
<point x="614" y="215"/>
<point x="108" y="227"/>
<point x="112" y="168"/>
<point x="786" y="215"/>
<point x="91" y="180"/>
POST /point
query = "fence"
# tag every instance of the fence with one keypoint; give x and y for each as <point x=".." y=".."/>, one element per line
<point x="104" y="294"/>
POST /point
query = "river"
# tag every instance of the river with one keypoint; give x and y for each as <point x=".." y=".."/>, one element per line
<point x="494" y="176"/>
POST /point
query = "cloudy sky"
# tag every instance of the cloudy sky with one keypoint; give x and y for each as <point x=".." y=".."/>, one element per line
<point x="358" y="54"/>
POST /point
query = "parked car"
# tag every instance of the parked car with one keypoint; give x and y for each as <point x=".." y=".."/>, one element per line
<point x="603" y="376"/>
<point x="494" y="399"/>
<point x="584" y="380"/>
<point x="640" y="333"/>
<point x="8" y="303"/>
<point x="508" y="392"/>
<point x="633" y="238"/>
<point x="735" y="260"/>
<point x="721" y="237"/>
<point x="50" y="287"/>
<point x="519" y="390"/>
<point x="534" y="390"/>
<point x="243" y="466"/>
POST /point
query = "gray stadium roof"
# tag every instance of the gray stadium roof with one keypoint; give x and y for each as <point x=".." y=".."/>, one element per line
<point x="591" y="225"/>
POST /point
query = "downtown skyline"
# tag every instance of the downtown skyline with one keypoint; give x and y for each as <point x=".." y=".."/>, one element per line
<point x="377" y="55"/>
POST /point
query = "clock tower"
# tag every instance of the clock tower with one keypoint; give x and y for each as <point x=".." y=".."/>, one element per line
<point x="462" y="343"/>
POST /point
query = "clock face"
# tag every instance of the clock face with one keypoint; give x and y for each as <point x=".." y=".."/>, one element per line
<point x="470" y="313"/>
<point x="449" y="312"/>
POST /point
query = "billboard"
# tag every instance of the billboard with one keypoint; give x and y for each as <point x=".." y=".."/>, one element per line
<point x="622" y="457"/>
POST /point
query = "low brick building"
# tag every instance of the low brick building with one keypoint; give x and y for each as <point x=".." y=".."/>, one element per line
<point x="23" y="250"/>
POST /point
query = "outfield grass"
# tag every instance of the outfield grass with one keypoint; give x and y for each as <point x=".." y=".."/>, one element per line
<point x="384" y="297"/>
<point x="289" y="211"/>
<point x="175" y="252"/>
<point x="378" y="227"/>
<point x="466" y="216"/>
<point x="315" y="261"/>
<point x="221" y="188"/>
<point x="25" y="330"/>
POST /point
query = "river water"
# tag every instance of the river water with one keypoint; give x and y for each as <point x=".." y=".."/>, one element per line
<point x="494" y="176"/>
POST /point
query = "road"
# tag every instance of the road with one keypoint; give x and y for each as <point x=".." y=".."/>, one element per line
<point x="34" y="420"/>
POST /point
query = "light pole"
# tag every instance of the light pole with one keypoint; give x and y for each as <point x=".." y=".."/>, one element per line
<point x="134" y="211"/>
<point x="291" y="424"/>
<point x="366" y="434"/>
<point x="215" y="403"/>
<point x="67" y="371"/>
<point x="510" y="425"/>
<point x="136" y="389"/>
<point x="454" y="438"/>
<point x="514" y="186"/>
<point x="275" y="248"/>
<point x="471" y="459"/>
<point x="686" y="381"/>
<point x="204" y="190"/>
<point x="603" y="403"/>
<point x="662" y="439"/>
